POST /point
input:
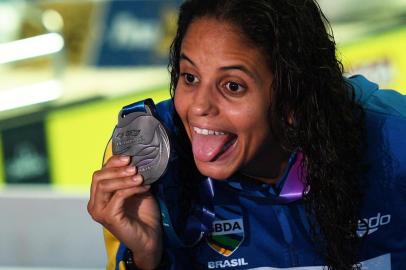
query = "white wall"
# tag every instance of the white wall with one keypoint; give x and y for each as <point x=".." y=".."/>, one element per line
<point x="46" y="229"/>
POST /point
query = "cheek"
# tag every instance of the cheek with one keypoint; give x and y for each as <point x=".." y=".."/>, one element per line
<point x="250" y="120"/>
<point x="179" y="104"/>
<point x="181" y="108"/>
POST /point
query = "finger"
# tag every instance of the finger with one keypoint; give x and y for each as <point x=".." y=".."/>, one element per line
<point x="96" y="197"/>
<point x="117" y="161"/>
<point x="103" y="194"/>
<point x="112" y="185"/>
<point x="104" y="189"/>
<point x="93" y="184"/>
<point x="116" y="172"/>
<point x="109" y="173"/>
<point x="116" y="167"/>
<point x="110" y="180"/>
<point x="116" y="203"/>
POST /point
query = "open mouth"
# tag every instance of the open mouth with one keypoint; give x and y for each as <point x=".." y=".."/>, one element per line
<point x="211" y="145"/>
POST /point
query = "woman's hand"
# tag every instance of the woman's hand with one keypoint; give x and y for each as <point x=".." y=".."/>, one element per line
<point x="126" y="208"/>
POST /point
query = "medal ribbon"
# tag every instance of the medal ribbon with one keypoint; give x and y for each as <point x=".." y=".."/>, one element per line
<point x="199" y="221"/>
<point x="136" y="107"/>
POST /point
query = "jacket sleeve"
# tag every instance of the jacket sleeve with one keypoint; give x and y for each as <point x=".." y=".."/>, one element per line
<point x="384" y="101"/>
<point x="112" y="245"/>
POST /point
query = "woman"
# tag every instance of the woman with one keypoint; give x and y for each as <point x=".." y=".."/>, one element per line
<point x="259" y="96"/>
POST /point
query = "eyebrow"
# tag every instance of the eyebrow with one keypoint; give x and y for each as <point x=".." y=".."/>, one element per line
<point x="184" y="57"/>
<point x="232" y="67"/>
<point x="241" y="68"/>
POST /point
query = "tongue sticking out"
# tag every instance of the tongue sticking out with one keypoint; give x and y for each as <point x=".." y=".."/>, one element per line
<point x="207" y="147"/>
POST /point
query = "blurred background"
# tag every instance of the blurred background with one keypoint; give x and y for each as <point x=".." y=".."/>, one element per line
<point x="66" y="69"/>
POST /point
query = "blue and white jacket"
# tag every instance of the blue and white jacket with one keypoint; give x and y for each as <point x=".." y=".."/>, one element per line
<point x="252" y="231"/>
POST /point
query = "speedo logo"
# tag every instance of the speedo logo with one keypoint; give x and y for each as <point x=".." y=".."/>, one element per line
<point x="372" y="224"/>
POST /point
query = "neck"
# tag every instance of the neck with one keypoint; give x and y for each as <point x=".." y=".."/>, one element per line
<point x="267" y="167"/>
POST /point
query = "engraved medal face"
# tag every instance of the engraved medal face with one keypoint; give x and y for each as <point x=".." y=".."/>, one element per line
<point x="143" y="137"/>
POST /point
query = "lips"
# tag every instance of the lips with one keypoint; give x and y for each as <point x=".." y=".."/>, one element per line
<point x="209" y="145"/>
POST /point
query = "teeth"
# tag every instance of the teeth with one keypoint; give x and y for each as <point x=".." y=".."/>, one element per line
<point x="204" y="131"/>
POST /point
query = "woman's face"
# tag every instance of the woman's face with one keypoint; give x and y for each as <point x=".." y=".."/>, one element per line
<point x="223" y="98"/>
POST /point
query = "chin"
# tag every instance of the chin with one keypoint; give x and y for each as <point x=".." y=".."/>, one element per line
<point x="213" y="171"/>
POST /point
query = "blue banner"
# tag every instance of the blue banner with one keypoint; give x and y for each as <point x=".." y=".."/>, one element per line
<point x="136" y="32"/>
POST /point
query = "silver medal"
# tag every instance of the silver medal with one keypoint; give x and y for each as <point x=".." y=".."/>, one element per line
<point x="143" y="137"/>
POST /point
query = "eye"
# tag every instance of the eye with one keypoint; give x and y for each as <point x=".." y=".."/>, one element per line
<point x="234" y="87"/>
<point x="190" y="78"/>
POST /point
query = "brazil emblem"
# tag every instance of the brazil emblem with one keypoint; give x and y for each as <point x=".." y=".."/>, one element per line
<point x="226" y="236"/>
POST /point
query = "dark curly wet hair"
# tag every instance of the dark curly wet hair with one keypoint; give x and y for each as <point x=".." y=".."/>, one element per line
<point x="308" y="87"/>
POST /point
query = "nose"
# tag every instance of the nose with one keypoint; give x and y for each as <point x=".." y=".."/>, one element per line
<point x="205" y="102"/>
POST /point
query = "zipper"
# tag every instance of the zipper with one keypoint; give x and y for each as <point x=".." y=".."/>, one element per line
<point x="287" y="233"/>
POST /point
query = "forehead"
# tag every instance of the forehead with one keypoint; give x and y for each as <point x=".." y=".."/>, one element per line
<point x="213" y="46"/>
<point x="219" y="36"/>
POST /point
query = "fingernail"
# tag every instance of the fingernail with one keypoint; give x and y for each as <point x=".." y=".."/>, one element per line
<point x="137" y="178"/>
<point x="130" y="169"/>
<point x="124" y="158"/>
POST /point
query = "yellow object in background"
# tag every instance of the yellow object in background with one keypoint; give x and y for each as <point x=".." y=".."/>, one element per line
<point x="77" y="137"/>
<point x="381" y="58"/>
